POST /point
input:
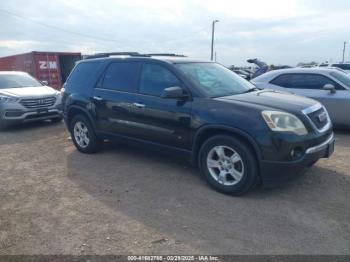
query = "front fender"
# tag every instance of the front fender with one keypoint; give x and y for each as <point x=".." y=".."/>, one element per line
<point x="215" y="128"/>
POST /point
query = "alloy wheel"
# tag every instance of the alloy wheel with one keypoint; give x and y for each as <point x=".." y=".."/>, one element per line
<point x="81" y="134"/>
<point x="225" y="165"/>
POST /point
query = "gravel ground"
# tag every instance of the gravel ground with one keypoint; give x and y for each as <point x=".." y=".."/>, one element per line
<point x="122" y="200"/>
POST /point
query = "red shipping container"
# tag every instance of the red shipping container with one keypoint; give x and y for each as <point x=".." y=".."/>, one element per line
<point x="53" y="67"/>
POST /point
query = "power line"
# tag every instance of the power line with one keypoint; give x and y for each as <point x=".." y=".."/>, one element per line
<point x="55" y="27"/>
<point x="177" y="40"/>
<point x="187" y="37"/>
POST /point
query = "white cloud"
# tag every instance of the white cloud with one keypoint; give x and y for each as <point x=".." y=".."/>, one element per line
<point x="256" y="9"/>
<point x="279" y="31"/>
<point x="18" y="44"/>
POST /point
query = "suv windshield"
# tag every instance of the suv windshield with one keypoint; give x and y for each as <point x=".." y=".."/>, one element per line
<point x="214" y="79"/>
<point x="17" y="80"/>
<point x="342" y="77"/>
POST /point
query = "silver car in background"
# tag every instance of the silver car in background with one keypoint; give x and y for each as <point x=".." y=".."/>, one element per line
<point x="24" y="99"/>
<point x="330" y="86"/>
<point x="343" y="66"/>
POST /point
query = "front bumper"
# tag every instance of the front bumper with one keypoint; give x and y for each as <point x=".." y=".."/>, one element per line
<point x="274" y="173"/>
<point x="14" y="116"/>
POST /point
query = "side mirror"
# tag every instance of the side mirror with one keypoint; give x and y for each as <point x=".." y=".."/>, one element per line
<point x="330" y="88"/>
<point x="45" y="83"/>
<point x="174" y="92"/>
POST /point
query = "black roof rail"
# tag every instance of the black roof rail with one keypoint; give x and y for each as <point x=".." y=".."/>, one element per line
<point x="165" y="54"/>
<point x="100" y="55"/>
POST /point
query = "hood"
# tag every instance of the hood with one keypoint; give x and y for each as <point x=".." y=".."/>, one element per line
<point x="273" y="99"/>
<point x="29" y="92"/>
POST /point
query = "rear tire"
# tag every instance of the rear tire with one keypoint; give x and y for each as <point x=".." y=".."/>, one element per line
<point x="228" y="165"/>
<point x="83" y="135"/>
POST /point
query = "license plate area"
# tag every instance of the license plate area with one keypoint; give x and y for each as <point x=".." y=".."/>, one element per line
<point x="42" y="111"/>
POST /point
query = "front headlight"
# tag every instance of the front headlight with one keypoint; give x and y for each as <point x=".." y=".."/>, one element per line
<point x="7" y="99"/>
<point x="284" y="122"/>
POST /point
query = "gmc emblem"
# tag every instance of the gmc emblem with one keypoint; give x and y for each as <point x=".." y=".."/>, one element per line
<point x="322" y="117"/>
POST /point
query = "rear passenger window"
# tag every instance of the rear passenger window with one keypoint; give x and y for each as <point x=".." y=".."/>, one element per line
<point x="83" y="72"/>
<point x="121" y="77"/>
<point x="155" y="78"/>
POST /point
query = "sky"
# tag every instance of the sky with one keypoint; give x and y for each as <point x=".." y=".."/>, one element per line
<point x="276" y="31"/>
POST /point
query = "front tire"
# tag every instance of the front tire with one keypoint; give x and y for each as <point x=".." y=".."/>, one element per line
<point x="228" y="165"/>
<point x="83" y="135"/>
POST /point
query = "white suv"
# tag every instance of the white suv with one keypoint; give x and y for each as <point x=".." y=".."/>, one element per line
<point x="24" y="99"/>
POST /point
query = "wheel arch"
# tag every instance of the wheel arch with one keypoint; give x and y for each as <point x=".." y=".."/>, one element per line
<point x="75" y="110"/>
<point x="206" y="132"/>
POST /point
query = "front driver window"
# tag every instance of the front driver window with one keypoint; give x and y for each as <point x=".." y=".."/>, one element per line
<point x="155" y="78"/>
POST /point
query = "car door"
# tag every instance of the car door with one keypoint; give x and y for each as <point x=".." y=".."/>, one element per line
<point x="160" y="120"/>
<point x="114" y="98"/>
<point x="311" y="85"/>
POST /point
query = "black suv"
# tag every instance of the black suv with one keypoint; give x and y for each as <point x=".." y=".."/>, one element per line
<point x="236" y="134"/>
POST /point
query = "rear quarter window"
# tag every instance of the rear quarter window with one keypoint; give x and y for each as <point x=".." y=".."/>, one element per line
<point x="83" y="75"/>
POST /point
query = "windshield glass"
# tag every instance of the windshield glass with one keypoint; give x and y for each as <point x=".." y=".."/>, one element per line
<point x="17" y="80"/>
<point x="342" y="77"/>
<point x="214" y="79"/>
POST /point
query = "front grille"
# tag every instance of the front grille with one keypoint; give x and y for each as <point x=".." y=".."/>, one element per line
<point x="34" y="103"/>
<point x="319" y="118"/>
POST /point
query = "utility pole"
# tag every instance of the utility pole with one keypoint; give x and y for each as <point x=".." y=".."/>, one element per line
<point x="344" y="52"/>
<point x="212" y="39"/>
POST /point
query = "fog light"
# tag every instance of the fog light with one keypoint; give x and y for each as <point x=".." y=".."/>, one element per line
<point x="296" y="152"/>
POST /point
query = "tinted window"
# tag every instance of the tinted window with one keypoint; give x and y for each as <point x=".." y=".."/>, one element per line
<point x="17" y="80"/>
<point x="342" y="66"/>
<point x="121" y="77"/>
<point x="342" y="77"/>
<point x="303" y="81"/>
<point x="83" y="72"/>
<point x="155" y="78"/>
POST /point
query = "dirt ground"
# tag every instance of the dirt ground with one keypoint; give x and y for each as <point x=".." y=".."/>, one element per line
<point x="122" y="200"/>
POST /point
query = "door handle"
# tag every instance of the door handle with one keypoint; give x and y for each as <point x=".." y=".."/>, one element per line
<point x="139" y="105"/>
<point x="98" y="98"/>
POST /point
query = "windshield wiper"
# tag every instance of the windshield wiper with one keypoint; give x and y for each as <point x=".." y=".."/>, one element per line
<point x="235" y="93"/>
<point x="251" y="90"/>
